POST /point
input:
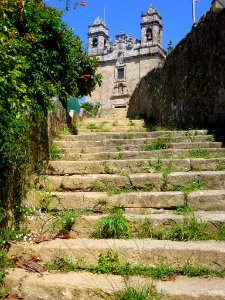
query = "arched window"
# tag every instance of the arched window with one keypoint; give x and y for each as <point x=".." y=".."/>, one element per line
<point x="95" y="42"/>
<point x="149" y="34"/>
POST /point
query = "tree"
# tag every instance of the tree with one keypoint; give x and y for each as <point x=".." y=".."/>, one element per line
<point x="170" y="46"/>
<point x="39" y="58"/>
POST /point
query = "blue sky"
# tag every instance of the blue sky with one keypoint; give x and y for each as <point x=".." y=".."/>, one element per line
<point x="125" y="15"/>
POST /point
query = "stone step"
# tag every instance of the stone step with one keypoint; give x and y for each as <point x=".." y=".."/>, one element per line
<point x="135" y="144"/>
<point x="86" y="286"/>
<point x="65" y="143"/>
<point x="110" y="120"/>
<point x="131" y="135"/>
<point x="109" y="128"/>
<point x="50" y="224"/>
<point x="139" y="202"/>
<point x="165" y="153"/>
<point x="210" y="254"/>
<point x="60" y="167"/>
<point x="207" y="180"/>
<point x="102" y="201"/>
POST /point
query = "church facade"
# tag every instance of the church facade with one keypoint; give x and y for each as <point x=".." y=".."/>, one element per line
<point x="126" y="60"/>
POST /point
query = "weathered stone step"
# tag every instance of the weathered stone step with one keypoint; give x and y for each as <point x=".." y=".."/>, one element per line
<point x="70" y="149"/>
<point x="101" y="201"/>
<point x="133" y="201"/>
<point x="61" y="167"/>
<point x="86" y="286"/>
<point x="131" y="135"/>
<point x="84" y="226"/>
<point x="207" y="180"/>
<point x="165" y="153"/>
<point x="109" y="128"/>
<point x="110" y="143"/>
<point x="110" y="121"/>
<point x="142" y="252"/>
<point x="124" y="166"/>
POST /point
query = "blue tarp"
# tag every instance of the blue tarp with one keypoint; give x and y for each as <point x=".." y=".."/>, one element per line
<point x="73" y="104"/>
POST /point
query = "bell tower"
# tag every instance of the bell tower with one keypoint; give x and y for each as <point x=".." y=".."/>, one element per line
<point x="98" y="38"/>
<point x="151" y="28"/>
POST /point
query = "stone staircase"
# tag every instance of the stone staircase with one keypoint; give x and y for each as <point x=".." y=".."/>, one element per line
<point x="112" y="120"/>
<point x="153" y="179"/>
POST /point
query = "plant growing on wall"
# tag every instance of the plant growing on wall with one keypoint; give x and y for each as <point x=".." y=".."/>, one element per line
<point x="39" y="58"/>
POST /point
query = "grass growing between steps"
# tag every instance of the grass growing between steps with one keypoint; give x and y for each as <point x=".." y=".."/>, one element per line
<point x="54" y="152"/>
<point x="145" y="292"/>
<point x="189" y="230"/>
<point x="221" y="167"/>
<point x="202" y="153"/>
<point x="109" y="264"/>
<point x="196" y="185"/>
<point x="183" y="210"/>
<point x="160" y="143"/>
<point x="95" y="128"/>
<point x="99" y="186"/>
<point x="115" y="225"/>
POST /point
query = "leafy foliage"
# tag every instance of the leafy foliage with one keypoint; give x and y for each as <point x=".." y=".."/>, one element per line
<point x="90" y="107"/>
<point x="39" y="58"/>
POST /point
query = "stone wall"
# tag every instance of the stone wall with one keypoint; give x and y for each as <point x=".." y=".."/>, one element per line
<point x="189" y="90"/>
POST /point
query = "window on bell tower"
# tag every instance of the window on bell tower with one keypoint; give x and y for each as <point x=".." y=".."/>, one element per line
<point x="95" y="42"/>
<point x="149" y="34"/>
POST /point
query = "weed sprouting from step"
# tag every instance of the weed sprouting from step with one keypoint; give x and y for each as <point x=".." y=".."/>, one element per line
<point x="159" y="144"/>
<point x="98" y="186"/>
<point x="220" y="167"/>
<point x="113" y="226"/>
<point x="114" y="190"/>
<point x="190" y="229"/>
<point x="44" y="202"/>
<point x="128" y="136"/>
<point x="64" y="131"/>
<point x="203" y="153"/>
<point x="141" y="292"/>
<point x="130" y="188"/>
<point x="147" y="230"/>
<point x="55" y="153"/>
<point x="109" y="263"/>
<point x="190" y="271"/>
<point x="66" y="220"/>
<point x="62" y="264"/>
<point x="220" y="232"/>
<point x="196" y="185"/>
<point x="107" y="169"/>
<point x="92" y="126"/>
<point x="120" y="156"/>
<point x="183" y="210"/>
